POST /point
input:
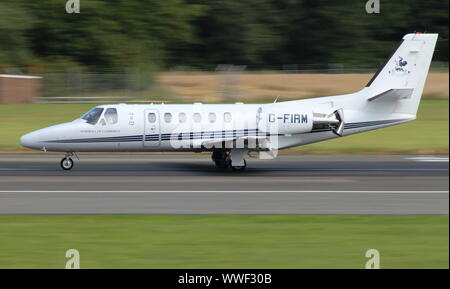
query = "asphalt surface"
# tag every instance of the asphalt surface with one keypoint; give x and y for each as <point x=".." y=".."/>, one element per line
<point x="189" y="184"/>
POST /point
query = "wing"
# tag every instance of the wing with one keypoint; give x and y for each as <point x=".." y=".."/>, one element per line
<point x="219" y="142"/>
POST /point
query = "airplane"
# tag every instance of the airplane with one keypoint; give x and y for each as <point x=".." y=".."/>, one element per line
<point x="233" y="131"/>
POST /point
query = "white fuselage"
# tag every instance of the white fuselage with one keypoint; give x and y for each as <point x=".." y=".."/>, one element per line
<point x="198" y="127"/>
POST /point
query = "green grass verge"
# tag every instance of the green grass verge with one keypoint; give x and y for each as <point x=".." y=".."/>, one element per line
<point x="428" y="134"/>
<point x="224" y="241"/>
<point x="19" y="119"/>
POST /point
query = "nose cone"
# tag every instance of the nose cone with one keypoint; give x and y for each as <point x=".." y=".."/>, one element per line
<point x="29" y="141"/>
<point x="42" y="138"/>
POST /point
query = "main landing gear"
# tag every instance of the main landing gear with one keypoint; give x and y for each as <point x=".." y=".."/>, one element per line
<point x="233" y="159"/>
<point x="67" y="162"/>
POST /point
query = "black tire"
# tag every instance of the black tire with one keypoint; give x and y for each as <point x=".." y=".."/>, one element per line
<point x="66" y="164"/>
<point x="222" y="164"/>
<point x="221" y="159"/>
<point x="217" y="155"/>
<point x="239" y="168"/>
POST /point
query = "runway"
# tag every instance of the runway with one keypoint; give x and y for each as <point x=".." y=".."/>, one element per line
<point x="189" y="184"/>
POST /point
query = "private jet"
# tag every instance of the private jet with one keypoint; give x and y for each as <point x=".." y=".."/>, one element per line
<point x="232" y="132"/>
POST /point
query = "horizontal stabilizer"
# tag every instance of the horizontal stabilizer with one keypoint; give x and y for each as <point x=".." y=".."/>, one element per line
<point x="393" y="94"/>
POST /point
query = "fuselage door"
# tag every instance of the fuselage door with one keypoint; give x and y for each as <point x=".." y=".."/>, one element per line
<point x="261" y="120"/>
<point x="152" y="136"/>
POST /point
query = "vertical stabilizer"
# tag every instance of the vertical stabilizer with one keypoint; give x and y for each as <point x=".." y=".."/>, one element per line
<point x="402" y="77"/>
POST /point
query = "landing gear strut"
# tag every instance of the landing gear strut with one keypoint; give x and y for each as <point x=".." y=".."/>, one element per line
<point x="223" y="160"/>
<point x="67" y="162"/>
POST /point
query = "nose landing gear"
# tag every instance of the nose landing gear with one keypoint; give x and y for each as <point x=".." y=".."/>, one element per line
<point x="67" y="162"/>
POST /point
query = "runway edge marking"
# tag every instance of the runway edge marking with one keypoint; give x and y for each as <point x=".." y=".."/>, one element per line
<point x="230" y="191"/>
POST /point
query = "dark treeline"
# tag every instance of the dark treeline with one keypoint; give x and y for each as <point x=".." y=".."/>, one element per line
<point x="115" y="34"/>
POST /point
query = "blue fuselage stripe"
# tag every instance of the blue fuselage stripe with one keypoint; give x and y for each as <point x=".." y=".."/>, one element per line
<point x="207" y="134"/>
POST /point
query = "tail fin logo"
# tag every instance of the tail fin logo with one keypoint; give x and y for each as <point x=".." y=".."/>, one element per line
<point x="399" y="68"/>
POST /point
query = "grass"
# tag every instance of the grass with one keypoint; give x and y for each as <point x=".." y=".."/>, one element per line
<point x="18" y="119"/>
<point x="428" y="134"/>
<point x="224" y="241"/>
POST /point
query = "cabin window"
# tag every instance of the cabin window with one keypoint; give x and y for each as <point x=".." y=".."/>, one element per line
<point x="197" y="117"/>
<point x="111" y="116"/>
<point x="93" y="115"/>
<point x="167" y="117"/>
<point x="212" y="117"/>
<point x="151" y="117"/>
<point x="182" y="117"/>
<point x="227" y="117"/>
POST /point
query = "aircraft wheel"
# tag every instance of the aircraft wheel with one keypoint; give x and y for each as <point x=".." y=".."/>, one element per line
<point x="221" y="159"/>
<point x="66" y="164"/>
<point x="239" y="168"/>
<point x="223" y="163"/>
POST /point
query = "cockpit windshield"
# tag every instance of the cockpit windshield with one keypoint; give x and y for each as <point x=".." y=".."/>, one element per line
<point x="93" y="115"/>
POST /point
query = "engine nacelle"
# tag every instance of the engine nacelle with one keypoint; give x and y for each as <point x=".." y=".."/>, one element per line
<point x="293" y="121"/>
<point x="289" y="121"/>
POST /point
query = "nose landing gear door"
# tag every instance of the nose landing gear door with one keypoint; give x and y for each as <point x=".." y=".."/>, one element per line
<point x="152" y="136"/>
